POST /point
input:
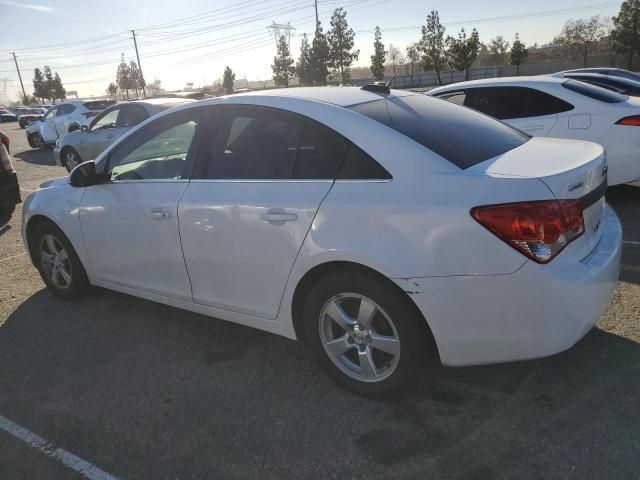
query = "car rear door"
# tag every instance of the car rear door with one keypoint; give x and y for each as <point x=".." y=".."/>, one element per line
<point x="253" y="197"/>
<point x="130" y="223"/>
<point x="47" y="128"/>
<point x="527" y="109"/>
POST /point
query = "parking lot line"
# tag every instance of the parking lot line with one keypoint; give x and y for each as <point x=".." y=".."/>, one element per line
<point x="68" y="459"/>
<point x="630" y="242"/>
<point x="13" y="256"/>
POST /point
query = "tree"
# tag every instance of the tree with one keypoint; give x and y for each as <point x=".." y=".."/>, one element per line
<point x="135" y="78"/>
<point x="155" y="87"/>
<point x="319" y="57"/>
<point x="39" y="85"/>
<point x="413" y="57"/>
<point x="57" y="89"/>
<point x="283" y="69"/>
<point x="379" y="56"/>
<point x="519" y="54"/>
<point x="499" y="48"/>
<point x="303" y="67"/>
<point x="578" y="37"/>
<point x="626" y="30"/>
<point x="122" y="77"/>
<point x="48" y="84"/>
<point x="463" y="51"/>
<point x="340" y="39"/>
<point x="394" y="58"/>
<point x="228" y="77"/>
<point x="112" y="90"/>
<point x="432" y="45"/>
<point x="28" y="100"/>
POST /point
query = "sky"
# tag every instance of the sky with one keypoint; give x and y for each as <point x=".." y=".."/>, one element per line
<point x="192" y="41"/>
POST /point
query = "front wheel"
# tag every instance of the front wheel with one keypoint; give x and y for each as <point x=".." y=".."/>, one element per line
<point x="57" y="261"/>
<point x="70" y="159"/>
<point x="36" y="141"/>
<point x="365" y="334"/>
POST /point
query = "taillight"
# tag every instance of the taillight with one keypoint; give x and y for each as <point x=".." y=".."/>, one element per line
<point x="633" y="121"/>
<point x="539" y="229"/>
<point x="90" y="114"/>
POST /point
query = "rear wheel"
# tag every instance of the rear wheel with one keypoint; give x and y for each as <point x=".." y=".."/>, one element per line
<point x="365" y="334"/>
<point x="58" y="263"/>
<point x="70" y="158"/>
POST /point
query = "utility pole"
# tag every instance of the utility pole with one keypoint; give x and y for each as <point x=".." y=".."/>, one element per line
<point x="315" y="3"/>
<point x="24" y="94"/>
<point x="135" y="44"/>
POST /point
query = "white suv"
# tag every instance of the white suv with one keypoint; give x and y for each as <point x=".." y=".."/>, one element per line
<point x="56" y="122"/>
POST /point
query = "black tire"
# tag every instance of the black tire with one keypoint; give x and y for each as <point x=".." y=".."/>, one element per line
<point x="35" y="141"/>
<point x="65" y="155"/>
<point x="407" y="321"/>
<point x="79" y="283"/>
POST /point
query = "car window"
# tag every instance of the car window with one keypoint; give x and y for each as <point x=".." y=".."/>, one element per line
<point x="360" y="166"/>
<point x="131" y="115"/>
<point x="106" y="120"/>
<point x="454" y="97"/>
<point x="320" y="154"/>
<point x="65" y="109"/>
<point x="159" y="151"/>
<point x="461" y="136"/>
<point x="514" y="102"/>
<point x="594" y="92"/>
<point x="51" y="113"/>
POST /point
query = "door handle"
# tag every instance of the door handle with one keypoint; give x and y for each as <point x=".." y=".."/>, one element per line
<point x="159" y="214"/>
<point x="279" y="215"/>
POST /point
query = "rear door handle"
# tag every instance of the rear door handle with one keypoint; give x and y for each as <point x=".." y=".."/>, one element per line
<point x="279" y="215"/>
<point x="159" y="214"/>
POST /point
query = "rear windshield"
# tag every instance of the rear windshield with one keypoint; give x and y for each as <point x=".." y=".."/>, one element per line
<point x="591" y="91"/>
<point x="99" y="104"/>
<point x="458" y="134"/>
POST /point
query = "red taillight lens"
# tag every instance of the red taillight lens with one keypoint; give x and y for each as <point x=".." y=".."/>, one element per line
<point x="633" y="121"/>
<point x="90" y="114"/>
<point x="540" y="229"/>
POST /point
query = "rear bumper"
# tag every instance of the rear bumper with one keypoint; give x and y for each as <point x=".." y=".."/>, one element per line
<point x="537" y="311"/>
<point x="9" y="189"/>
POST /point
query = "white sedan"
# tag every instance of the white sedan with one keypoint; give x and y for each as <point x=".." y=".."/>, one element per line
<point x="556" y="107"/>
<point x="379" y="226"/>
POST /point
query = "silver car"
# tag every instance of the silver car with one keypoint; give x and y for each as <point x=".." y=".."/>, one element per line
<point x="88" y="142"/>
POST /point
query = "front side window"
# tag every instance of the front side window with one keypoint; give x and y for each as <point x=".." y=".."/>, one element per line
<point x="508" y="102"/>
<point x="105" y="120"/>
<point x="51" y="113"/>
<point x="159" y="151"/>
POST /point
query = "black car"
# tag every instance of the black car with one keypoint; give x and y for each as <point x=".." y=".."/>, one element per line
<point x="617" y="84"/>
<point x="7" y="116"/>
<point x="9" y="187"/>
<point x="30" y="115"/>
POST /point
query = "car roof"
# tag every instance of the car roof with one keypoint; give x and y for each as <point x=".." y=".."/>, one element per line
<point x="164" y="101"/>
<point x="531" y="80"/>
<point x="340" y="96"/>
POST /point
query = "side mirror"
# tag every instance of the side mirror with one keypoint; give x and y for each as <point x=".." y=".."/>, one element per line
<point x="84" y="128"/>
<point x="84" y="175"/>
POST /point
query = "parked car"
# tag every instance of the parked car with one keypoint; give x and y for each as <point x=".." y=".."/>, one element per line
<point x="554" y="107"/>
<point x="56" y="121"/>
<point x="30" y="115"/>
<point x="7" y="116"/>
<point x="9" y="188"/>
<point x="614" y="72"/>
<point x="6" y="141"/>
<point x="89" y="142"/>
<point x="617" y="84"/>
<point x="377" y="225"/>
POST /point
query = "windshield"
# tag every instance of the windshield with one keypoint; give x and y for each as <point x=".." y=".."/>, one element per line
<point x="461" y="135"/>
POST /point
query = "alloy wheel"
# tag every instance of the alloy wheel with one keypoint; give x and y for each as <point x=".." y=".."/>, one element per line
<point x="55" y="261"/>
<point x="359" y="337"/>
<point x="71" y="160"/>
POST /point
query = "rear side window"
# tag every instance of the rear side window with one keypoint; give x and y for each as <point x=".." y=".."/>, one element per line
<point x="594" y="92"/>
<point x="514" y="102"/>
<point x="460" y="135"/>
<point x="360" y="166"/>
<point x="131" y="115"/>
<point x="320" y="153"/>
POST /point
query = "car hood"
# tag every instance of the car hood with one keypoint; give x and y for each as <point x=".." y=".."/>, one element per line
<point x="55" y="183"/>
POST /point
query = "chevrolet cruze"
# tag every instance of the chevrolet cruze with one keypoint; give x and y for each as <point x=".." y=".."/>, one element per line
<point x="378" y="226"/>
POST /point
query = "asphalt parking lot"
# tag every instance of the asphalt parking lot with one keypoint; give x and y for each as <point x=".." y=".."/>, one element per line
<point x="144" y="391"/>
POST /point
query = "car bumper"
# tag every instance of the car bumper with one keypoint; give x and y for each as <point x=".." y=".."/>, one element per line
<point x="537" y="311"/>
<point x="57" y="157"/>
<point x="9" y="189"/>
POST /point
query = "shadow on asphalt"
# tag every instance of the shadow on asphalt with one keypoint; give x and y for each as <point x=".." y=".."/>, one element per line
<point x="625" y="199"/>
<point x="38" y="157"/>
<point x="147" y="391"/>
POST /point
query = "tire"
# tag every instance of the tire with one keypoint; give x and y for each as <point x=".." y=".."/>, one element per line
<point x="394" y="318"/>
<point x="70" y="158"/>
<point x="57" y="261"/>
<point x="36" y="141"/>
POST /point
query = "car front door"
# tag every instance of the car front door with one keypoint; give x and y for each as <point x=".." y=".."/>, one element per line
<point x="253" y="197"/>
<point x="94" y="141"/>
<point x="63" y="119"/>
<point x="527" y="109"/>
<point x="130" y="222"/>
<point x="47" y="128"/>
